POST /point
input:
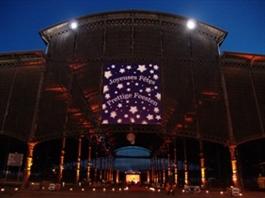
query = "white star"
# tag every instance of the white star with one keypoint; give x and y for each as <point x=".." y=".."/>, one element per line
<point x="141" y="90"/>
<point x="105" y="122"/>
<point x="128" y="83"/>
<point x="136" y="84"/>
<point x="150" y="117"/>
<point x="104" y="106"/>
<point x="156" y="109"/>
<point x="144" y="108"/>
<point x="127" y="101"/>
<point x="105" y="89"/>
<point x="155" y="67"/>
<point x="151" y="71"/>
<point x="158" y="117"/>
<point x="150" y="65"/>
<point x="122" y="70"/>
<point x="155" y="77"/>
<point x="132" y="120"/>
<point x="120" y="105"/>
<point x="106" y="111"/>
<point x="133" y="109"/>
<point x="107" y="74"/>
<point x="107" y="96"/>
<point x="126" y="115"/>
<point x="141" y="68"/>
<point x="138" y="116"/>
<point x="119" y="120"/>
<point x="120" y="86"/>
<point x="156" y="87"/>
<point x="112" y="66"/>
<point x="148" y="89"/>
<point x="113" y="114"/>
<point x="158" y="96"/>
<point x="128" y="89"/>
<point x="129" y="67"/>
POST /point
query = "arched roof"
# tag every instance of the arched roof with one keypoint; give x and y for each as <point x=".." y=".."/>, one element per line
<point x="47" y="33"/>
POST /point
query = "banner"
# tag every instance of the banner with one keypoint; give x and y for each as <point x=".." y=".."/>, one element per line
<point x="131" y="94"/>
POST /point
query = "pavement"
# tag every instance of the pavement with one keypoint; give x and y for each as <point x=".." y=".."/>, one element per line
<point x="123" y="194"/>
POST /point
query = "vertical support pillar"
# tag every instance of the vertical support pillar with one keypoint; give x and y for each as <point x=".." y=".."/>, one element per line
<point x="163" y="172"/>
<point x="232" y="146"/>
<point x="108" y="175"/>
<point x="29" y="162"/>
<point x="61" y="165"/>
<point x="78" y="164"/>
<point x="100" y="169"/>
<point x="155" y="171"/>
<point x="95" y="168"/>
<point x="111" y="169"/>
<point x="152" y="171"/>
<point x="117" y="176"/>
<point x="168" y="166"/>
<point x="159" y="168"/>
<point x="202" y="166"/>
<point x="106" y="168"/>
<point x="88" y="170"/>
<point x="186" y="173"/>
<point x="148" y="176"/>
<point x="175" y="166"/>
<point x="232" y="149"/>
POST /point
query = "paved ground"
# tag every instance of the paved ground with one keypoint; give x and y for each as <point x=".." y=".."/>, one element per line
<point x="66" y="194"/>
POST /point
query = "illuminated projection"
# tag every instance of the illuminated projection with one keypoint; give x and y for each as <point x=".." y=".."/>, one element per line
<point x="131" y="94"/>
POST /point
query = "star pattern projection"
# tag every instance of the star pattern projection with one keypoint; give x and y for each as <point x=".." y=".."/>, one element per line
<point x="131" y="94"/>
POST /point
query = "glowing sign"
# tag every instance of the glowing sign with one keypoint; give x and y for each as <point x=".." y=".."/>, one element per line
<point x="131" y="94"/>
<point x="135" y="178"/>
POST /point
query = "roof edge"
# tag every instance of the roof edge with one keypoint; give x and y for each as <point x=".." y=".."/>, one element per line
<point x="45" y="32"/>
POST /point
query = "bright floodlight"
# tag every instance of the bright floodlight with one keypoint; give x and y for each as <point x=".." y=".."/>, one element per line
<point x="191" y="24"/>
<point x="73" y="25"/>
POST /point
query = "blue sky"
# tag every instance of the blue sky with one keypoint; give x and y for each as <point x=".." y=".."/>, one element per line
<point x="244" y="20"/>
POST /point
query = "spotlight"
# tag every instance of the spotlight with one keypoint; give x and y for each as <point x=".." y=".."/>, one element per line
<point x="119" y="189"/>
<point x="191" y="24"/>
<point x="104" y="189"/>
<point x="240" y="194"/>
<point x="2" y="190"/>
<point x="126" y="188"/>
<point x="113" y="189"/>
<point x="42" y="188"/>
<point x="73" y="25"/>
<point x="82" y="189"/>
<point x="183" y="190"/>
<point x="70" y="189"/>
<point x="93" y="189"/>
<point x="207" y="191"/>
<point x="221" y="192"/>
<point x="16" y="189"/>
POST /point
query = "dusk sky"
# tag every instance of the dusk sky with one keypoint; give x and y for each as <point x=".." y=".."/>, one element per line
<point x="244" y="20"/>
